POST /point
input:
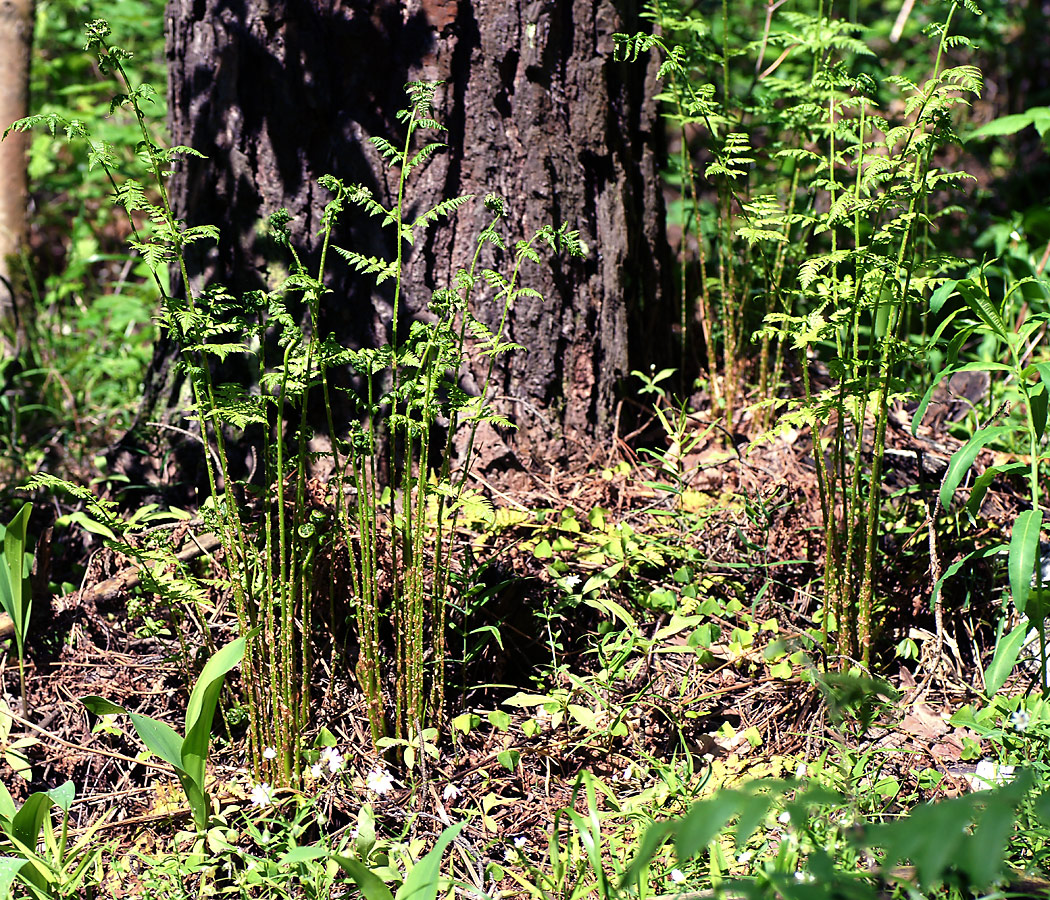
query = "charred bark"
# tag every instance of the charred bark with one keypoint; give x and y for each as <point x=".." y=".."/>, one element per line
<point x="277" y="94"/>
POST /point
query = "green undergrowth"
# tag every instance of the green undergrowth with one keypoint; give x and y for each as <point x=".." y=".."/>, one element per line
<point x="814" y="176"/>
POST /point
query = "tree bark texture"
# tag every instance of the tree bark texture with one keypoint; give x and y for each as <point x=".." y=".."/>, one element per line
<point x="16" y="41"/>
<point x="279" y="93"/>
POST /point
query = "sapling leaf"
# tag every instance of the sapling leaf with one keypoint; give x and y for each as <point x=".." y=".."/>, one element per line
<point x="1024" y="551"/>
<point x="963" y="458"/>
<point x="1007" y="650"/>
<point x="1037" y="400"/>
<point x="978" y="300"/>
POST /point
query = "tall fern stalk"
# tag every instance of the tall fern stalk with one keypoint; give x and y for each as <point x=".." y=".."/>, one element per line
<point x="274" y="532"/>
<point x="827" y="243"/>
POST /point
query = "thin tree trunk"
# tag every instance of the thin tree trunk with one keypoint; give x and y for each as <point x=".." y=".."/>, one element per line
<point x="16" y="40"/>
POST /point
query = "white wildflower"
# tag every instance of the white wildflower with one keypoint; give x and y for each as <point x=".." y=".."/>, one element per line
<point x="378" y="780"/>
<point x="261" y="795"/>
<point x="519" y="841"/>
<point x="800" y="772"/>
<point x="269" y="753"/>
<point x="1021" y="719"/>
<point x="451" y="792"/>
<point x="804" y="877"/>
<point x="784" y="818"/>
<point x="677" y="876"/>
<point x="570" y="582"/>
<point x="744" y="858"/>
<point x="315" y="770"/>
<point x="333" y="758"/>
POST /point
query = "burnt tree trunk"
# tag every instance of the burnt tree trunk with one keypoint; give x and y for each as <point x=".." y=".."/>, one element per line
<point x="277" y="94"/>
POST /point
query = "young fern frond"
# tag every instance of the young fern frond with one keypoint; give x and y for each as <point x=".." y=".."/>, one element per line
<point x="368" y="265"/>
<point x="443" y="209"/>
<point x="388" y="151"/>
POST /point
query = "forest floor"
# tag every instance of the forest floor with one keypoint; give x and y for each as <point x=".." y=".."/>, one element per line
<point x="541" y="701"/>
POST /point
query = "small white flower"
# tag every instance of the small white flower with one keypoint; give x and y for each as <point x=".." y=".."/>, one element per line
<point x="745" y="857"/>
<point x="378" y="780"/>
<point x="333" y="758"/>
<point x="269" y="753"/>
<point x="570" y="582"/>
<point x="784" y="818"/>
<point x="988" y="775"/>
<point x="451" y="792"/>
<point x="519" y="841"/>
<point x="1021" y="719"/>
<point x="261" y="795"/>
<point x="804" y="877"/>
<point x="800" y="772"/>
<point x="677" y="876"/>
<point x="315" y="770"/>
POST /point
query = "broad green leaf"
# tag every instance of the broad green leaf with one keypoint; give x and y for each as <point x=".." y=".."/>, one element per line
<point x="302" y="854"/>
<point x="994" y="828"/>
<point x="422" y="882"/>
<point x="201" y="708"/>
<point x="15" y="595"/>
<point x="983" y="553"/>
<point x="963" y="458"/>
<point x="1006" y="125"/>
<point x="1006" y="652"/>
<point x="976" y="297"/>
<point x="25" y="832"/>
<point x="612" y="608"/>
<point x="509" y="759"/>
<point x="916" y="419"/>
<point x="1037" y="399"/>
<point x="7" y="803"/>
<point x="753" y="809"/>
<point x="1024" y="554"/>
<point x="161" y="739"/>
<point x="654" y="838"/>
<point x="63" y="795"/>
<point x="932" y="837"/>
<point x="983" y="481"/>
<point x="9" y="867"/>
<point x="368" y="883"/>
<point x="941" y="295"/>
<point x="704" y="821"/>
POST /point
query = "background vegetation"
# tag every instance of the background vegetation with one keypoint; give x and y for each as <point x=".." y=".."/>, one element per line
<point x="787" y="638"/>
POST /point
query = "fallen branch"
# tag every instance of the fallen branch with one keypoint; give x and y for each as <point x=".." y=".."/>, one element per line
<point x="126" y="580"/>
